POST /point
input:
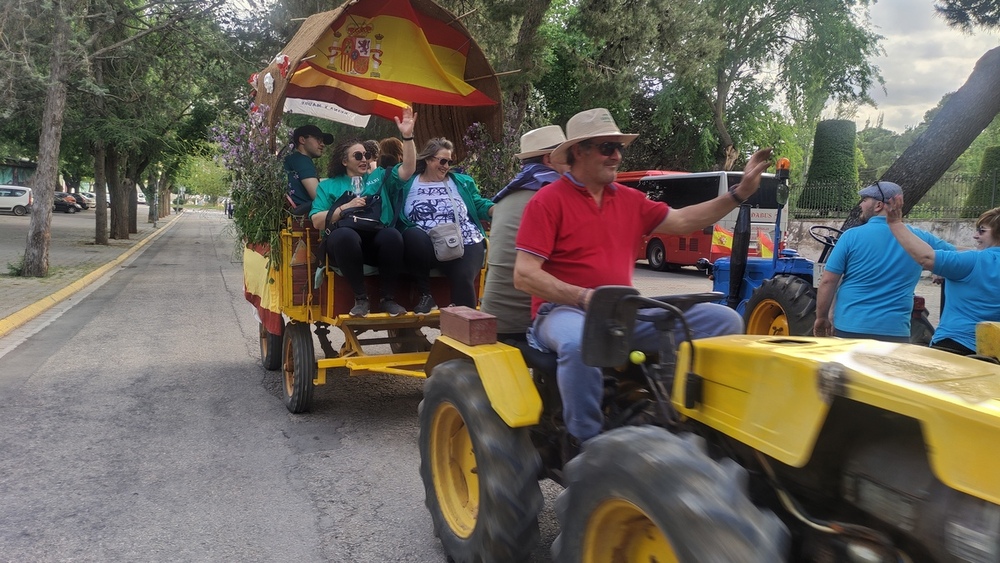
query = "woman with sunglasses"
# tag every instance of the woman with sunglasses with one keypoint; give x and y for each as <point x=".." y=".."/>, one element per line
<point x="428" y="200"/>
<point x="973" y="277"/>
<point x="354" y="181"/>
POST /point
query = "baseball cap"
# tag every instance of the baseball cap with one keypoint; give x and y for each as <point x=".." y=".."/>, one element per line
<point x="311" y="131"/>
<point x="881" y="191"/>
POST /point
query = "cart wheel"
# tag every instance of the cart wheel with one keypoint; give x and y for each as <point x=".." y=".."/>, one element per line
<point x="299" y="363"/>
<point x="270" y="348"/>
<point x="408" y="340"/>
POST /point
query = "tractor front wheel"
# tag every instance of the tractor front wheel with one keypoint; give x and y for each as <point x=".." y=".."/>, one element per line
<point x="480" y="475"/>
<point x="781" y="306"/>
<point x="298" y="366"/>
<point x="643" y="494"/>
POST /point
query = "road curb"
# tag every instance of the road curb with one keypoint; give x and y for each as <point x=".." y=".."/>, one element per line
<point x="15" y="320"/>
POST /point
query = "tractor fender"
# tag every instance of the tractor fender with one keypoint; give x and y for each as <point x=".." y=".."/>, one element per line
<point x="504" y="374"/>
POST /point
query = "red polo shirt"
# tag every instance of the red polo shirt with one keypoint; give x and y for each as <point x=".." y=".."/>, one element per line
<point x="582" y="244"/>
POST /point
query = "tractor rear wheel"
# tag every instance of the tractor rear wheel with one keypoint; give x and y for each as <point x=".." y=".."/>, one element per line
<point x="480" y="475"/>
<point x="298" y="366"/>
<point x="270" y="348"/>
<point x="644" y="494"/>
<point x="781" y="306"/>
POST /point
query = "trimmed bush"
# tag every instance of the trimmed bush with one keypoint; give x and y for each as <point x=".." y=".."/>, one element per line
<point x="832" y="183"/>
<point x="983" y="195"/>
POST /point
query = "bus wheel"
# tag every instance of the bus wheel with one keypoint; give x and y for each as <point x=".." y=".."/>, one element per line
<point x="656" y="255"/>
<point x="781" y="306"/>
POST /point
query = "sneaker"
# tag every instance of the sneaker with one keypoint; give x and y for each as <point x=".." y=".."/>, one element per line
<point x="361" y="307"/>
<point x="394" y="309"/>
<point x="425" y="305"/>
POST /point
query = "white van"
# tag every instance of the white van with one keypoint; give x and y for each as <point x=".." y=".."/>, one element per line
<point x="15" y="199"/>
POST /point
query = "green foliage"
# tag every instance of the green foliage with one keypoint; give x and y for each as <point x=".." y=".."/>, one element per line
<point x="204" y="175"/>
<point x="965" y="14"/>
<point x="257" y="179"/>
<point x="983" y="194"/>
<point x="491" y="164"/>
<point x="833" y="175"/>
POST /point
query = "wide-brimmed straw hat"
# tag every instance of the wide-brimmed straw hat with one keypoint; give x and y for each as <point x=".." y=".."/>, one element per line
<point x="589" y="124"/>
<point x="540" y="141"/>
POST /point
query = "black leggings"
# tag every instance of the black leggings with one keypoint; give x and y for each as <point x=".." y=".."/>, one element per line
<point x="461" y="273"/>
<point x="350" y="250"/>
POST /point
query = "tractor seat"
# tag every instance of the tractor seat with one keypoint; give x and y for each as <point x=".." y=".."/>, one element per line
<point x="534" y="358"/>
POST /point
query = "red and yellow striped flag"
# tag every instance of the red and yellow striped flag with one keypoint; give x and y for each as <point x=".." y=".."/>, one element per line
<point x="722" y="241"/>
<point x="382" y="55"/>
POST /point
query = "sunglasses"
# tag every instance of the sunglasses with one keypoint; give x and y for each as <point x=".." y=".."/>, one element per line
<point x="445" y="161"/>
<point x="881" y="194"/>
<point x="359" y="156"/>
<point x="609" y="148"/>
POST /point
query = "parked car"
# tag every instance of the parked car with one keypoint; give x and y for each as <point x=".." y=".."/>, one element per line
<point x="78" y="199"/>
<point x="85" y="200"/>
<point x="15" y="199"/>
<point x="65" y="202"/>
<point x="140" y="197"/>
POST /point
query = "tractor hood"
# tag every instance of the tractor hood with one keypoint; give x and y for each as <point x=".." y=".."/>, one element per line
<point x="774" y="395"/>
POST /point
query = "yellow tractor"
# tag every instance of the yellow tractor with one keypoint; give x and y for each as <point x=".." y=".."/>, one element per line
<point x="742" y="448"/>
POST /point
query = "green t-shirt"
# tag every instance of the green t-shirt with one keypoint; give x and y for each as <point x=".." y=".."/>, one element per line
<point x="330" y="190"/>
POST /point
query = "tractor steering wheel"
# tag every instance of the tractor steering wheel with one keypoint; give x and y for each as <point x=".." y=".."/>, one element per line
<point x="828" y="236"/>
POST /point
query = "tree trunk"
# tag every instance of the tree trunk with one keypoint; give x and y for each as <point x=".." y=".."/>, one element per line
<point x="726" y="153"/>
<point x="101" y="193"/>
<point x="964" y="116"/>
<point x="119" y="196"/>
<point x="36" y="253"/>
<point x="525" y="52"/>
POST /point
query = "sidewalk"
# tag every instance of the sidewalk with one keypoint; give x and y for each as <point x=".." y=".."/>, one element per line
<point x="74" y="262"/>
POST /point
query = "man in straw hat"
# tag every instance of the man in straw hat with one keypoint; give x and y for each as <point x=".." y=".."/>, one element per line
<point x="510" y="306"/>
<point x="581" y="232"/>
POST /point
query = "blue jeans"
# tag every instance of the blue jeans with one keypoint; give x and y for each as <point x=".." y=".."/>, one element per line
<point x="559" y="329"/>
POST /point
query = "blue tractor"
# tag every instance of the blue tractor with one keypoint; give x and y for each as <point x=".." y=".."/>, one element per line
<point x="777" y="295"/>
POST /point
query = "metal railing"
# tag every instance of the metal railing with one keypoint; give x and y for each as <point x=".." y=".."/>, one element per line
<point x="952" y="197"/>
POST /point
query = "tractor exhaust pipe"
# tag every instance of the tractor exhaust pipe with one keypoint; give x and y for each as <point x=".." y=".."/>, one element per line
<point x="738" y="258"/>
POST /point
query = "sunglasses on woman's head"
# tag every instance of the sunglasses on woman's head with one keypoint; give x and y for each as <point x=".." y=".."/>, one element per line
<point x="359" y="156"/>
<point x="608" y="148"/>
<point x="445" y="161"/>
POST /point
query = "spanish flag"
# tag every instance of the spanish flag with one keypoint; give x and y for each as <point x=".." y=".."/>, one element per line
<point x="722" y="241"/>
<point x="765" y="244"/>
<point x="381" y="55"/>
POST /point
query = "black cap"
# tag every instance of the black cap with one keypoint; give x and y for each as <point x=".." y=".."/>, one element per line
<point x="311" y="131"/>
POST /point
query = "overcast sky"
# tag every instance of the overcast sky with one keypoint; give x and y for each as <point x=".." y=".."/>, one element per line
<point x="924" y="60"/>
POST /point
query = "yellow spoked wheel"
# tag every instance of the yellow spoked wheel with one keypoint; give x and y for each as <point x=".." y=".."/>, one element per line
<point x="480" y="476"/>
<point x="782" y="306"/>
<point x="453" y="465"/>
<point x="620" y="531"/>
<point x="640" y="493"/>
<point x="768" y="318"/>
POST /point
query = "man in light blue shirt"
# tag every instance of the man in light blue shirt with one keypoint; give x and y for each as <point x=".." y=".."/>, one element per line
<point x="871" y="276"/>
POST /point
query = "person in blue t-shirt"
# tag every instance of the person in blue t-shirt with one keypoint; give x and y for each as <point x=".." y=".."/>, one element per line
<point x="871" y="276"/>
<point x="308" y="143"/>
<point x="973" y="277"/>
